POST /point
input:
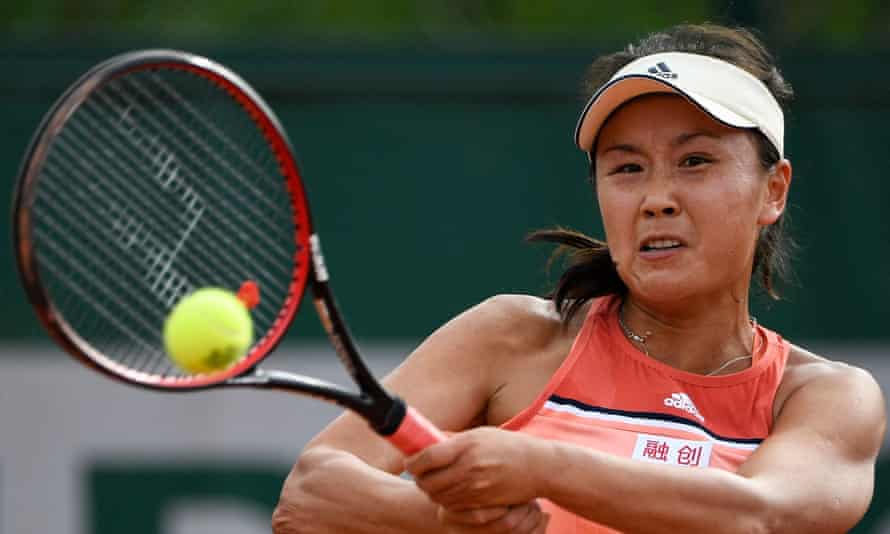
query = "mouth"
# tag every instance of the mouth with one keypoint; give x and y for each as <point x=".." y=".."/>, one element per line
<point x="660" y="244"/>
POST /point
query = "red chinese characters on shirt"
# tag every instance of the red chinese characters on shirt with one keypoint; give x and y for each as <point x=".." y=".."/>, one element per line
<point x="675" y="452"/>
<point x="688" y="455"/>
<point x="657" y="450"/>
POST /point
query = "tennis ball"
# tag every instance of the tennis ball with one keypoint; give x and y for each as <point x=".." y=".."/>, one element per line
<point x="208" y="330"/>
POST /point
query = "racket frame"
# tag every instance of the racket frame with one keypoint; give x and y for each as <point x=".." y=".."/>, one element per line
<point x="384" y="412"/>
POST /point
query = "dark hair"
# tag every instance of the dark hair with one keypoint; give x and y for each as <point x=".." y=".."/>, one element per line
<point x="591" y="272"/>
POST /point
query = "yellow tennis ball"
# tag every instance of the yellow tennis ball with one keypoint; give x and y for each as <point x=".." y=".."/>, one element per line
<point x="208" y="330"/>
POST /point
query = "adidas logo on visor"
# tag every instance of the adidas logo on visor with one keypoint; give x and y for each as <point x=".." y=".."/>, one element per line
<point x="663" y="71"/>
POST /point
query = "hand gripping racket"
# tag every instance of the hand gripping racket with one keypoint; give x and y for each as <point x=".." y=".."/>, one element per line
<point x="159" y="172"/>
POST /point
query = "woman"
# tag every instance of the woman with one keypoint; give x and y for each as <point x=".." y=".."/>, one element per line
<point x="643" y="397"/>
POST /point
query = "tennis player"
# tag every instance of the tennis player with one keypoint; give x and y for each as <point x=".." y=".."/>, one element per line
<point x="643" y="397"/>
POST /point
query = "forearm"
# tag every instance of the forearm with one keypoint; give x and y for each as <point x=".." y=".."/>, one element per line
<point x="333" y="491"/>
<point x="634" y="496"/>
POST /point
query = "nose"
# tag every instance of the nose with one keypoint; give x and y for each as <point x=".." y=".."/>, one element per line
<point x="659" y="200"/>
<point x="656" y="211"/>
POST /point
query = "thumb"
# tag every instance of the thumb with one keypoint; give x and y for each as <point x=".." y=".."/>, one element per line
<point x="435" y="456"/>
<point x="542" y="527"/>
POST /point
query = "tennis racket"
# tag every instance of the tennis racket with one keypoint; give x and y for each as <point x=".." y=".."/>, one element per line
<point x="159" y="172"/>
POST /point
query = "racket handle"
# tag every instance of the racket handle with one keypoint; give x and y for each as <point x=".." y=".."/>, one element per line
<point x="415" y="433"/>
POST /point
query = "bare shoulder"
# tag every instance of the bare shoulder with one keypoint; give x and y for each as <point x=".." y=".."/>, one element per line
<point x="518" y="321"/>
<point x="523" y="327"/>
<point x="480" y="342"/>
<point x="834" y="389"/>
<point x="496" y="329"/>
<point x="495" y="357"/>
<point x="533" y="342"/>
<point x="805" y="367"/>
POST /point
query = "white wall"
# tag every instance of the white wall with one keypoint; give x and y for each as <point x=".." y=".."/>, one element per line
<point x="56" y="417"/>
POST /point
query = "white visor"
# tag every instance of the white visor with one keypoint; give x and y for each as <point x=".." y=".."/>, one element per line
<point x="725" y="92"/>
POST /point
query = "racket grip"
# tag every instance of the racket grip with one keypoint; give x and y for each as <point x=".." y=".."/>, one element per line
<point x="415" y="433"/>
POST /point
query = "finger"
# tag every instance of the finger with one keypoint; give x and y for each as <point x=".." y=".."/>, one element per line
<point x="446" y="486"/>
<point x="530" y="524"/>
<point x="473" y="517"/>
<point x="433" y="457"/>
<point x="542" y="526"/>
<point x="458" y="491"/>
<point x="512" y="519"/>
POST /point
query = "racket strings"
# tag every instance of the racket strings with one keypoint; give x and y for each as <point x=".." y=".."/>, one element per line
<point x="139" y="191"/>
<point x="125" y="230"/>
<point x="147" y="317"/>
<point x="217" y="133"/>
<point x="107" y="253"/>
<point x="163" y="184"/>
<point x="212" y="153"/>
<point x="87" y="232"/>
<point x="247" y="251"/>
<point x="245" y="202"/>
<point x="220" y="227"/>
<point x="78" y="289"/>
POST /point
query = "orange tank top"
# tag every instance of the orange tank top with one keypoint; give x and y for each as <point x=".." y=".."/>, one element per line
<point x="609" y="396"/>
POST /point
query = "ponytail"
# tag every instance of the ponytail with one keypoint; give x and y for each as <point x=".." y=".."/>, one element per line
<point x="590" y="274"/>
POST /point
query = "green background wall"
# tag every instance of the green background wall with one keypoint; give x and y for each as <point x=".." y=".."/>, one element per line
<point x="427" y="166"/>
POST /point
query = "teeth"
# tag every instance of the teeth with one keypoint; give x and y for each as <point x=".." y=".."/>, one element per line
<point x="662" y="243"/>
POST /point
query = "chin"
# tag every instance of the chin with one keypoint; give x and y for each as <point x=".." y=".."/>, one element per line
<point x="665" y="287"/>
<point x="663" y="295"/>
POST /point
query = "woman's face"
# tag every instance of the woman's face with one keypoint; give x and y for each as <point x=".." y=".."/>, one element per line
<point x="682" y="199"/>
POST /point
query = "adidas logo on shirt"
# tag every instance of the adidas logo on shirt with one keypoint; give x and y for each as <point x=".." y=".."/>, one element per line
<point x="683" y="402"/>
<point x="663" y="71"/>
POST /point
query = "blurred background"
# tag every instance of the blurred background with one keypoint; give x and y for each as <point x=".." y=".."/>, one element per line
<point x="434" y="134"/>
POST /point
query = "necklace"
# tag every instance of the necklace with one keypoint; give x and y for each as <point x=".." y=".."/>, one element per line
<point x="641" y="339"/>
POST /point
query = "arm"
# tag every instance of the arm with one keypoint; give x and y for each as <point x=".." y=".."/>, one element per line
<point x="332" y="490"/>
<point x="449" y="379"/>
<point x="813" y="474"/>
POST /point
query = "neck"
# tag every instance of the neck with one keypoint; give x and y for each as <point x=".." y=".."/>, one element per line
<point x="698" y="339"/>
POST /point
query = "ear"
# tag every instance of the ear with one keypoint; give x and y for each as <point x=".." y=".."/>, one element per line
<point x="777" y="185"/>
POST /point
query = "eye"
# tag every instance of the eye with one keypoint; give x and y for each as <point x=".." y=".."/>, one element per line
<point x="695" y="161"/>
<point x="626" y="168"/>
